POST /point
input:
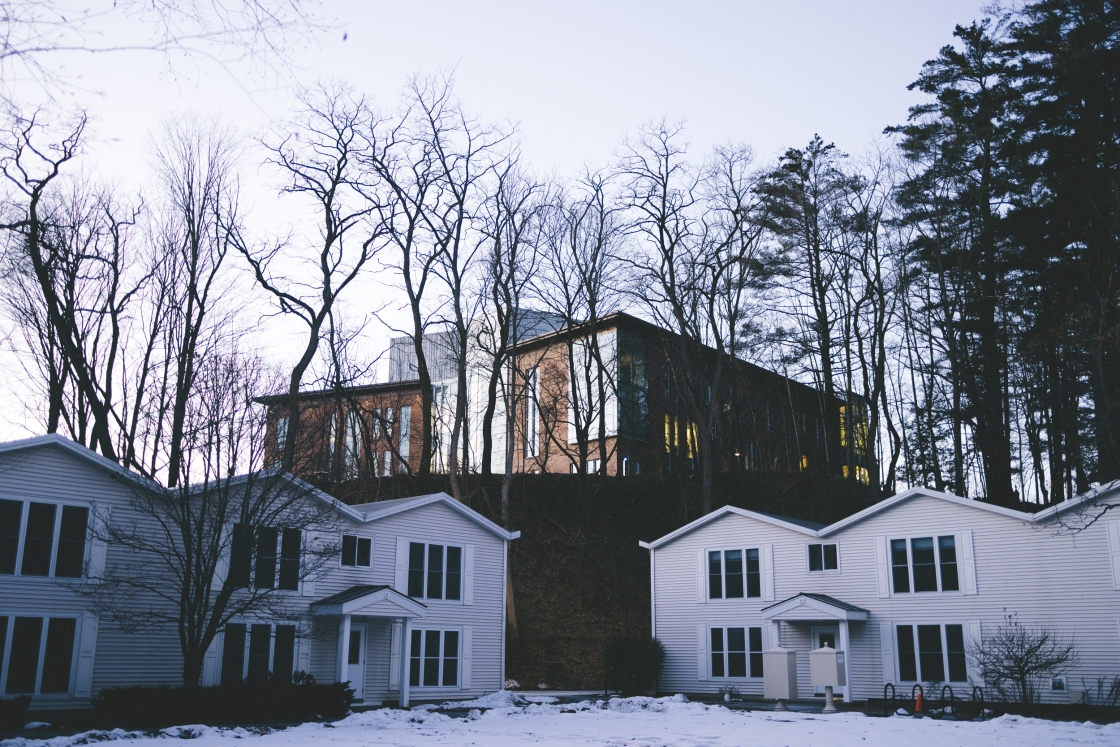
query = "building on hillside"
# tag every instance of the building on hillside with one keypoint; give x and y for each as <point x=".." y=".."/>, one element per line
<point x="627" y="413"/>
<point x="408" y="601"/>
<point x="906" y="588"/>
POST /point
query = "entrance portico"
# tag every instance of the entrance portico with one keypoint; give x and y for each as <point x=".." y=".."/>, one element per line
<point x="818" y="610"/>
<point x="371" y="601"/>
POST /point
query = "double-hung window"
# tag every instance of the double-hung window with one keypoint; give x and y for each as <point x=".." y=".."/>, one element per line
<point x="736" y="652"/>
<point x="435" y="571"/>
<point x="258" y="651"/>
<point x="38" y="656"/>
<point x="823" y="557"/>
<point x="42" y="539"/>
<point x="434" y="658"/>
<point x="266" y="557"/>
<point x="924" y="564"/>
<point x="357" y="551"/>
<point x="733" y="574"/>
<point x="931" y="653"/>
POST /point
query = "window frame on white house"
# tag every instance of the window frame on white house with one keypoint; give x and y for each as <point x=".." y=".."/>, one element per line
<point x="752" y="656"/>
<point x="744" y="573"/>
<point x="281" y="561"/>
<point x="78" y="561"/>
<point x="939" y="564"/>
<point x="426" y="577"/>
<point x="247" y="643"/>
<point x="7" y="641"/>
<point x="359" y="540"/>
<point x="917" y="654"/>
<point x="824" y="557"/>
<point x="418" y="660"/>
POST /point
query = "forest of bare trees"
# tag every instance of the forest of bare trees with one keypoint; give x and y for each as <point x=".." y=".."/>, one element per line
<point x="956" y="280"/>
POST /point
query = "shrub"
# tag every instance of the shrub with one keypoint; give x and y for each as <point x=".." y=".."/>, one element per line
<point x="225" y="704"/>
<point x="633" y="665"/>
<point x="1017" y="660"/>
<point x="13" y="712"/>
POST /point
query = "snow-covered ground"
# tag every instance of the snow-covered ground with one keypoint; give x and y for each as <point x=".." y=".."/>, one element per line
<point x="631" y="722"/>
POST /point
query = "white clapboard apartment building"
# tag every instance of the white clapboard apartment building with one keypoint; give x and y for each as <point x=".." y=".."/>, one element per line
<point x="904" y="587"/>
<point x="413" y="606"/>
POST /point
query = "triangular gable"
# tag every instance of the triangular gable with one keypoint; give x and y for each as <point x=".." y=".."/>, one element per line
<point x="403" y="505"/>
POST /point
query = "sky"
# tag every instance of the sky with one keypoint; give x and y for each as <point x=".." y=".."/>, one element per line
<point x="574" y="78"/>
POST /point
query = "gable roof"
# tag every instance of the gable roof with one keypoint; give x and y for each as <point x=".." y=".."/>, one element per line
<point x="374" y="511"/>
<point x="821" y="530"/>
<point x="82" y="452"/>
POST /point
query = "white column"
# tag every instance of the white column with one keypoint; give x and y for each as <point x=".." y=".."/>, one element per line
<point x="343" y="649"/>
<point x="846" y="647"/>
<point x="775" y="634"/>
<point x="406" y="655"/>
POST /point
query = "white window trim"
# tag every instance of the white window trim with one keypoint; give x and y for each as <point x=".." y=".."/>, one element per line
<point x="25" y="513"/>
<point x="723" y="576"/>
<point x="459" y="677"/>
<point x="304" y="538"/>
<point x="462" y="572"/>
<point x="5" y="654"/>
<point x="372" y="548"/>
<point x="957" y="543"/>
<point x="944" y="648"/>
<point x="708" y="650"/>
<point x="829" y="571"/>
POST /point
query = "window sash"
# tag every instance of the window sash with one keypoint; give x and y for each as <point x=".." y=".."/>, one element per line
<point x="11" y="520"/>
<point x="356" y="551"/>
<point x="924" y="565"/>
<point x="46" y="540"/>
<point x="256" y="652"/>
<point x="435" y="571"/>
<point x="734" y="574"/>
<point x="434" y="658"/>
<point x="735" y="652"/>
<point x="929" y="652"/>
<point x="41" y="656"/>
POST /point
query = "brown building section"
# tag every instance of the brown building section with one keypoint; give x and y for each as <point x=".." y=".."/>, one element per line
<point x="765" y="420"/>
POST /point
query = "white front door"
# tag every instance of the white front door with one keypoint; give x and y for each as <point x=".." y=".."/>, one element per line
<point x="356" y="663"/>
<point x="827" y="636"/>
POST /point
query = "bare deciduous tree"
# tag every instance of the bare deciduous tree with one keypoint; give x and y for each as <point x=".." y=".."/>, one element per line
<point x="1017" y="659"/>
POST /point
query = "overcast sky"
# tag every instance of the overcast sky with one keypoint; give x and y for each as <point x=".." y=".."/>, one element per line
<point x="575" y="77"/>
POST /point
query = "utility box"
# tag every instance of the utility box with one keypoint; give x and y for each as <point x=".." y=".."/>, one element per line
<point x="779" y="674"/>
<point x="826" y="668"/>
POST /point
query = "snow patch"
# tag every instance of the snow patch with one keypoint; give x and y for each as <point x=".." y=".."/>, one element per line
<point x="76" y="740"/>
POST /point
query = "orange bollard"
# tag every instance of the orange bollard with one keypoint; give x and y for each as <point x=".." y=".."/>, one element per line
<point x="918" y="703"/>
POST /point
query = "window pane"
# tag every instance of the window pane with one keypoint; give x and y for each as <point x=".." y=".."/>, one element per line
<point x="954" y="645"/>
<point x="265" y="576"/>
<point x="290" y="548"/>
<point x="907" y="666"/>
<point x="754" y="578"/>
<point x="736" y="652"/>
<point x="354" y="651"/>
<point x="816" y="558"/>
<point x="284" y="653"/>
<point x="71" y="542"/>
<point x="414" y="657"/>
<point x="39" y="541"/>
<point x="900" y="570"/>
<point x="830" y="560"/>
<point x="23" y="661"/>
<point x="733" y="568"/>
<point x="451" y="658"/>
<point x="260" y="638"/>
<point x="416" y="570"/>
<point x="947" y="550"/>
<point x="930" y="654"/>
<point x="365" y="552"/>
<point x="233" y="654"/>
<point x="717" y="652"/>
<point x="11" y="516"/>
<point x="59" y="655"/>
<point x="435" y="572"/>
<point x="715" y="576"/>
<point x="454" y="572"/>
<point x="349" y="549"/>
<point x="241" y="560"/>
<point x="431" y="658"/>
<point x="925" y="574"/>
<point x="755" y="640"/>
